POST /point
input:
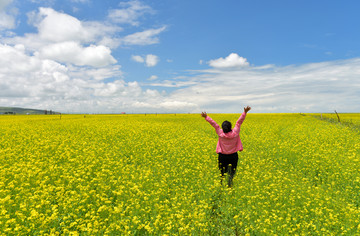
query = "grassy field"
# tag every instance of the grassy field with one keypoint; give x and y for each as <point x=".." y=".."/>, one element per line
<point x="349" y="119"/>
<point x="22" y="111"/>
<point x="157" y="175"/>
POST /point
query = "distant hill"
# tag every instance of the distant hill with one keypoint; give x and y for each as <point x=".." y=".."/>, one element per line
<point x="24" y="111"/>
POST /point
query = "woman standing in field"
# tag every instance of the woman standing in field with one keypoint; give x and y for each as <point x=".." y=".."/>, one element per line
<point x="229" y="144"/>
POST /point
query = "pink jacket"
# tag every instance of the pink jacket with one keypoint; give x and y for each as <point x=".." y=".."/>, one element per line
<point x="230" y="142"/>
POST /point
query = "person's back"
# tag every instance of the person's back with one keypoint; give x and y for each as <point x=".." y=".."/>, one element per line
<point x="229" y="143"/>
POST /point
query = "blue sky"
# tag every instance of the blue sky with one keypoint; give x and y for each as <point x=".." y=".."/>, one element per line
<point x="180" y="56"/>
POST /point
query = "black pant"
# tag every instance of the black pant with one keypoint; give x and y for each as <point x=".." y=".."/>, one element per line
<point x="224" y="161"/>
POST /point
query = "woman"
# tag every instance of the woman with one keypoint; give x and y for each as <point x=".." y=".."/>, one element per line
<point x="229" y="143"/>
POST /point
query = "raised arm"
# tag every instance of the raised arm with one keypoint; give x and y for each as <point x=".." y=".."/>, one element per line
<point x="212" y="122"/>
<point x="241" y="119"/>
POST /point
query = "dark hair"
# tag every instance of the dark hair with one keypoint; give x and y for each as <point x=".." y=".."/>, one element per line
<point x="226" y="126"/>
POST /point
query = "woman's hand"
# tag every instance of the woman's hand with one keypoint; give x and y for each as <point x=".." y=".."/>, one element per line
<point x="203" y="114"/>
<point x="246" y="109"/>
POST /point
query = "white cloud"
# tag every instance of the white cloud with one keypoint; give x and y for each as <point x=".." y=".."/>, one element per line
<point x="100" y="32"/>
<point x="138" y="58"/>
<point x="7" y="20"/>
<point x="153" y="77"/>
<point x="71" y="68"/>
<point x="45" y="2"/>
<point x="80" y="1"/>
<point x="233" y="60"/>
<point x="178" y="105"/>
<point x="130" y="13"/>
<point x="67" y="64"/>
<point x="146" y="37"/>
<point x="173" y="84"/>
<point x="98" y="74"/>
<point x="150" y="60"/>
<point x="314" y="87"/>
<point x="71" y="52"/>
<point x="55" y="26"/>
<point x="4" y="4"/>
<point x="28" y="76"/>
<point x="66" y="39"/>
<point x="31" y="81"/>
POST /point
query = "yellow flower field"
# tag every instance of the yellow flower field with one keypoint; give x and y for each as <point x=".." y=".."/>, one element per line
<point x="157" y="175"/>
<point x="349" y="119"/>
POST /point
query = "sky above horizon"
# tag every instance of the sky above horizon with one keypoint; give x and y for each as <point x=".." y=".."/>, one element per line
<point x="87" y="56"/>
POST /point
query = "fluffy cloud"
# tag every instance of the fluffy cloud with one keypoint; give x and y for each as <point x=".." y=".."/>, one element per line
<point x="129" y="13"/>
<point x="314" y="87"/>
<point x="233" y="60"/>
<point x="7" y="21"/>
<point x="31" y="81"/>
<point x="153" y="77"/>
<point x="28" y="76"/>
<point x="56" y="30"/>
<point x="28" y="80"/>
<point x="150" y="60"/>
<point x="4" y="3"/>
<point x="62" y="37"/>
<point x="146" y="37"/>
<point x="138" y="58"/>
<point x="67" y="65"/>
<point x="71" y="52"/>
<point x="55" y="26"/>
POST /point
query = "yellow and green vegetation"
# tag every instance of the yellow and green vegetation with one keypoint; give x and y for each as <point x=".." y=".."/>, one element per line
<point x="157" y="175"/>
<point x="349" y="119"/>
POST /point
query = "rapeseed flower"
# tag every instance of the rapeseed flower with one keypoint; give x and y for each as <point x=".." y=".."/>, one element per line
<point x="297" y="174"/>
